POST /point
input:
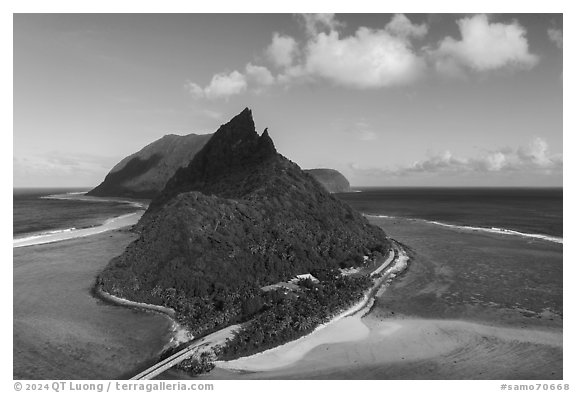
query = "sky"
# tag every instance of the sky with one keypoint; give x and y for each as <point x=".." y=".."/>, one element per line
<point x="387" y="99"/>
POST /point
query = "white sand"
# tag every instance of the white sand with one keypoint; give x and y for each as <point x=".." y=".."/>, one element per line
<point x="346" y="329"/>
<point x="372" y="343"/>
<point x="347" y="326"/>
<point x="379" y="347"/>
<point x="109" y="225"/>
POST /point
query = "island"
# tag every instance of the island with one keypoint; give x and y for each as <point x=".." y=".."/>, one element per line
<point x="242" y="235"/>
<point x="143" y="175"/>
<point x="331" y="179"/>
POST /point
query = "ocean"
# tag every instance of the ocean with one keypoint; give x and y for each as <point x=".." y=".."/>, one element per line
<point x="530" y="212"/>
<point x="44" y="211"/>
<point x="520" y="211"/>
<point x="486" y="256"/>
<point x="484" y="285"/>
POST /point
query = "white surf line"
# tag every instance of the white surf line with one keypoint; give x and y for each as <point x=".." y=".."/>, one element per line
<point x="501" y="231"/>
<point x="71" y="233"/>
<point x="81" y="196"/>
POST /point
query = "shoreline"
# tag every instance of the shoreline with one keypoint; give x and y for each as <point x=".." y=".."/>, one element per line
<point x="61" y="330"/>
<point x="67" y="234"/>
<point x="81" y="196"/>
<point x="356" y="311"/>
<point x="493" y="230"/>
<point x="57" y="235"/>
<point x="179" y="333"/>
<point x="417" y="348"/>
<point x="183" y="336"/>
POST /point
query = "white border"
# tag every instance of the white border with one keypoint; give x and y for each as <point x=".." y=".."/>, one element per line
<point x="437" y="6"/>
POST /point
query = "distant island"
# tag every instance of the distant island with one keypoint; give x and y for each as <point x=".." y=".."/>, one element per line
<point x="243" y="235"/>
<point x="331" y="179"/>
<point x="144" y="174"/>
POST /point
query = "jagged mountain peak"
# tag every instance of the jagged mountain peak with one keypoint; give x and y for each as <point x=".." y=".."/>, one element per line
<point x="240" y="216"/>
<point x="265" y="143"/>
<point x="234" y="150"/>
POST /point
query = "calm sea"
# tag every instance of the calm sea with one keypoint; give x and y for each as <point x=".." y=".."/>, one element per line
<point x="529" y="211"/>
<point x="48" y="210"/>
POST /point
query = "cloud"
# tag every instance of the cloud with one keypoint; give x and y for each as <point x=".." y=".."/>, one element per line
<point x="529" y="160"/>
<point x="484" y="46"/>
<point x="401" y="26"/>
<point x="226" y="85"/>
<point x="315" y="23"/>
<point x="555" y="36"/>
<point x="534" y="157"/>
<point x="538" y="154"/>
<point x="282" y="51"/>
<point x="375" y="58"/>
<point x="368" y="59"/>
<point x="221" y="86"/>
<point x="259" y="75"/>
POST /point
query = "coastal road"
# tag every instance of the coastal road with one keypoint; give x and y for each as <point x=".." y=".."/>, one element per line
<point x="195" y="348"/>
<point x="205" y="344"/>
<point x="387" y="262"/>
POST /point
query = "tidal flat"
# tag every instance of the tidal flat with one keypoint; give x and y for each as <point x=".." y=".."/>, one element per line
<point x="468" y="304"/>
<point x="61" y="331"/>
<point x="472" y="305"/>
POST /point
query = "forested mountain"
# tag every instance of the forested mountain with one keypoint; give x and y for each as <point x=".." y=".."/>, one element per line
<point x="145" y="173"/>
<point x="238" y="217"/>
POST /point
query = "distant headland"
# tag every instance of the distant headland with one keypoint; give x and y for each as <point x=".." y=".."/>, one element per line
<point x="144" y="174"/>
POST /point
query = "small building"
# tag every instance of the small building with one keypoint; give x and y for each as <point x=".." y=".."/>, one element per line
<point x="303" y="277"/>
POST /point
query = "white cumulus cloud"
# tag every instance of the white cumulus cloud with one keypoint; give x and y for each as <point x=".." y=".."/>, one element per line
<point x="222" y="85"/>
<point x="259" y="75"/>
<point x="401" y="26"/>
<point x="535" y="156"/>
<point x="377" y="58"/>
<point x="315" y="23"/>
<point x="533" y="159"/>
<point x="282" y="51"/>
<point x="368" y="59"/>
<point x="485" y="46"/>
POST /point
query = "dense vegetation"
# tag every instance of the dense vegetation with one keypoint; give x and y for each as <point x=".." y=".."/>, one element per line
<point x="241" y="216"/>
<point x="277" y="316"/>
<point x="284" y="318"/>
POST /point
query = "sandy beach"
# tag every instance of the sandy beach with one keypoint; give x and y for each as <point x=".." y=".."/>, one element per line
<point x="431" y="323"/>
<point x="372" y="348"/>
<point x="344" y="327"/>
<point x="110" y="225"/>
<point x="452" y="315"/>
